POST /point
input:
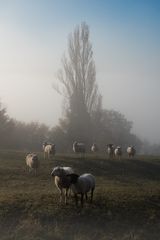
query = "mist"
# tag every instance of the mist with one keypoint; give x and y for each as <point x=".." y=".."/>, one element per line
<point x="126" y="51"/>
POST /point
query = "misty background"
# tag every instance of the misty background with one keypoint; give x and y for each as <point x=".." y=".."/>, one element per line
<point x="125" y="42"/>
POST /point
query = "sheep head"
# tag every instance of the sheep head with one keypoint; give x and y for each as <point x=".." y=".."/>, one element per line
<point x="58" y="171"/>
<point x="73" y="177"/>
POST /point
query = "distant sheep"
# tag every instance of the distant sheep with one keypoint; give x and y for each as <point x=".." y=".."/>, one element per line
<point x="44" y="144"/>
<point x="94" y="148"/>
<point x="110" y="150"/>
<point x="131" y="151"/>
<point x="32" y="162"/>
<point x="49" y="149"/>
<point x="118" y="152"/>
<point x="79" y="147"/>
<point x="82" y="185"/>
<point x="62" y="180"/>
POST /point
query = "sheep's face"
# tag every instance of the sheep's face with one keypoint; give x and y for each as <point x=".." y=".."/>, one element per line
<point x="34" y="157"/>
<point x="73" y="178"/>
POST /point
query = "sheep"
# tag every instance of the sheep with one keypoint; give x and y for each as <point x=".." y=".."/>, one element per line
<point x="110" y="150"/>
<point x="131" y="151"/>
<point x="32" y="162"/>
<point x="94" y="148"/>
<point x="79" y="148"/>
<point x="62" y="180"/>
<point x="48" y="149"/>
<point x="82" y="185"/>
<point x="118" y="152"/>
<point x="43" y="145"/>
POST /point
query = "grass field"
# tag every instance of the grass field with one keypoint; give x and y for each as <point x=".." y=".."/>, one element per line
<point x="126" y="200"/>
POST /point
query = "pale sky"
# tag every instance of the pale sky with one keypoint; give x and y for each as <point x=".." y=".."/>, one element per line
<point x="125" y="36"/>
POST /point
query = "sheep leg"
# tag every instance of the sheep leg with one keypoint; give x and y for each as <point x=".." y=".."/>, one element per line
<point x="61" y="196"/>
<point x="92" y="194"/>
<point x="82" y="199"/>
<point x="66" y="195"/>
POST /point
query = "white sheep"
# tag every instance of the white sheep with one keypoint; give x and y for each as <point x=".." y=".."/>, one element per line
<point x="49" y="149"/>
<point x="131" y="151"/>
<point x="118" y="152"/>
<point x="32" y="162"/>
<point x="82" y="185"/>
<point x="62" y="180"/>
<point x="79" y="147"/>
<point x="110" y="150"/>
<point x="94" y="148"/>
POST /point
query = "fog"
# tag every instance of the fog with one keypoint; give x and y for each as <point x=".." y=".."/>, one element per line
<point x="126" y="50"/>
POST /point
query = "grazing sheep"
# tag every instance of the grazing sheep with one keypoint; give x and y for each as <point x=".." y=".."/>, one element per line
<point x="32" y="162"/>
<point x="62" y="180"/>
<point x="131" y="151"/>
<point x="94" y="148"/>
<point x="79" y="147"/>
<point x="118" y="152"/>
<point x="48" y="149"/>
<point x="110" y="150"/>
<point x="82" y="185"/>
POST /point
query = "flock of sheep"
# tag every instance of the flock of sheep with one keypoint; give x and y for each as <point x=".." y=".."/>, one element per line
<point x="66" y="178"/>
<point x="111" y="149"/>
<point x="117" y="151"/>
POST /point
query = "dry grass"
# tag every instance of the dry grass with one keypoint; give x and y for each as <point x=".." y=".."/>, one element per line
<point x="126" y="201"/>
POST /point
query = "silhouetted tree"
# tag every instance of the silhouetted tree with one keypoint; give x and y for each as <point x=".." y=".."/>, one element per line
<point x="78" y="79"/>
<point x="6" y="127"/>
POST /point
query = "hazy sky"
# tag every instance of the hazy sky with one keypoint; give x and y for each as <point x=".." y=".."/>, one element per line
<point x="125" y="35"/>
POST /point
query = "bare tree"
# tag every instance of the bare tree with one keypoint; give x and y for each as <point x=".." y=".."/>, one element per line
<point x="78" y="74"/>
<point x="78" y="83"/>
<point x="85" y="119"/>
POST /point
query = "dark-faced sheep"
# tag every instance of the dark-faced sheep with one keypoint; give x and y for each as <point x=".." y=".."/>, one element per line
<point x="131" y="151"/>
<point x="110" y="150"/>
<point x="79" y="147"/>
<point x="62" y="180"/>
<point x="82" y="185"/>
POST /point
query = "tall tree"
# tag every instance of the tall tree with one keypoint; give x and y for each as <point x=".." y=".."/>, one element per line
<point x="85" y="120"/>
<point x="78" y="81"/>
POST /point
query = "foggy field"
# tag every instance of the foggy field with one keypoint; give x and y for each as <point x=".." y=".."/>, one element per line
<point x="126" y="200"/>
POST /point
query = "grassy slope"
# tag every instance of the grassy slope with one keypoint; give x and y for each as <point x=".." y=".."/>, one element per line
<point x="126" y="201"/>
